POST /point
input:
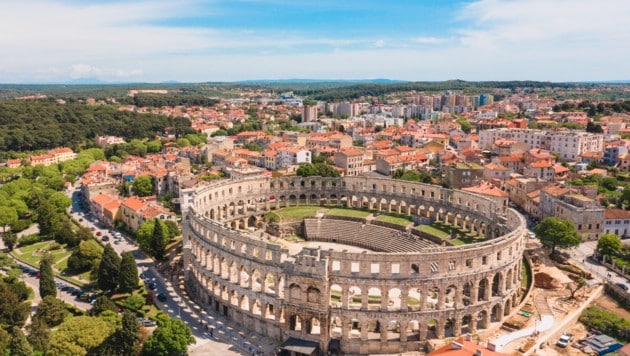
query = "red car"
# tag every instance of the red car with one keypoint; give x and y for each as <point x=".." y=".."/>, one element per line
<point x="98" y="233"/>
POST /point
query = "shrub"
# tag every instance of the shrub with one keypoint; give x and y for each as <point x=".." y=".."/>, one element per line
<point x="135" y="302"/>
<point x="20" y="225"/>
<point x="607" y="322"/>
<point x="29" y="240"/>
<point x="54" y="246"/>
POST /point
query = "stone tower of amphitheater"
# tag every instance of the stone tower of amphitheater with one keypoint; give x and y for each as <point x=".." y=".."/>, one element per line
<point x="379" y="289"/>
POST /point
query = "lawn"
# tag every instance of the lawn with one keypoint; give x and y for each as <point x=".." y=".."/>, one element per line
<point x="393" y="220"/>
<point x="431" y="230"/>
<point x="348" y="212"/>
<point x="33" y="253"/>
<point x="443" y="231"/>
<point x="298" y="211"/>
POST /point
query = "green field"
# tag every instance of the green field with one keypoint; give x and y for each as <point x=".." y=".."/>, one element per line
<point x="443" y="231"/>
<point x="32" y="255"/>
<point x="348" y="212"/>
<point x="394" y="220"/>
<point x="294" y="212"/>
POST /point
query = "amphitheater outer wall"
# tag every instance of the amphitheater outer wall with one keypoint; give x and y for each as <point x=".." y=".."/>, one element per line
<point x="372" y="302"/>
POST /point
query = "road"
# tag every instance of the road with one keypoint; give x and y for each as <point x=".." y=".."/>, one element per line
<point x="580" y="256"/>
<point x="224" y="341"/>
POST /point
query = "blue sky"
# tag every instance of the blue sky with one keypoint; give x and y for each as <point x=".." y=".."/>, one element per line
<point x="228" y="40"/>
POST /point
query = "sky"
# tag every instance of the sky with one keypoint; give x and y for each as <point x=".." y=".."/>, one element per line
<point x="61" y="41"/>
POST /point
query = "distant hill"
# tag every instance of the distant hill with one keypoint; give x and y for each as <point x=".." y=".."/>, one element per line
<point x="320" y="81"/>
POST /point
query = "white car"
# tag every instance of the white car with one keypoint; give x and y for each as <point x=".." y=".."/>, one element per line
<point x="564" y="340"/>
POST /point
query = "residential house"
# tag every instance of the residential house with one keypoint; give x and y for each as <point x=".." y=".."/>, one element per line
<point x="350" y="160"/>
<point x="459" y="175"/>
<point x="617" y="221"/>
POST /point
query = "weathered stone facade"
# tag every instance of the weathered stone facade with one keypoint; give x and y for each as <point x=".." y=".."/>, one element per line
<point x="373" y="302"/>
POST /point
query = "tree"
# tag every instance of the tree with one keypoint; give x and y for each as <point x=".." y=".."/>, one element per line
<point x="47" y="285"/>
<point x="9" y="239"/>
<point x="128" y="277"/>
<point x="79" y="335"/>
<point x="66" y="234"/>
<point x="143" y="186"/>
<point x="13" y="312"/>
<point x="609" y="245"/>
<point x="555" y="232"/>
<point x="19" y="345"/>
<point x="171" y="337"/>
<point x="51" y="311"/>
<point x="307" y="170"/>
<point x="158" y="241"/>
<point x="5" y="341"/>
<point x="8" y="216"/>
<point x="38" y="334"/>
<point x="108" y="269"/>
<point x="102" y="304"/>
<point x="127" y="338"/>
<point x="578" y="284"/>
<point x="86" y="257"/>
<point x="154" y="146"/>
<point x="47" y="218"/>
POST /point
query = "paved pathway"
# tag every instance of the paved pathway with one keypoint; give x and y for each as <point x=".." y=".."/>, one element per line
<point x="546" y="322"/>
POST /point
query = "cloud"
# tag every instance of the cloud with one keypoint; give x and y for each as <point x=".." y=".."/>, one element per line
<point x="428" y="40"/>
<point x="488" y="40"/>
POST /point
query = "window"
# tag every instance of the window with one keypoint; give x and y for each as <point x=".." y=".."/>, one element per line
<point x="499" y="256"/>
<point x="375" y="268"/>
<point x="469" y="263"/>
<point x="484" y="260"/>
<point x="355" y="267"/>
<point x="336" y="265"/>
<point x="395" y="268"/>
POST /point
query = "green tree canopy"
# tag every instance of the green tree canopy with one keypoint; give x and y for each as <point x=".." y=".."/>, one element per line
<point x="47" y="218"/>
<point x="144" y="233"/>
<point x="102" y="304"/>
<point x="51" y="311"/>
<point x="19" y="345"/>
<point x="171" y="337"/>
<point x="8" y="217"/>
<point x="158" y="241"/>
<point x="108" y="269"/>
<point x="79" y="335"/>
<point x="86" y="257"/>
<point x="128" y="278"/>
<point x="38" y="334"/>
<point x="47" y="285"/>
<point x="9" y="239"/>
<point x="609" y="245"/>
<point x="317" y="169"/>
<point x="13" y="312"/>
<point x="143" y="186"/>
<point x="5" y="340"/>
<point x="555" y="232"/>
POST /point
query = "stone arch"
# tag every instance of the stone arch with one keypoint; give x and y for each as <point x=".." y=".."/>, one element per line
<point x="313" y="326"/>
<point x="374" y="329"/>
<point x="450" y="295"/>
<point x="432" y="329"/>
<point x="295" y="292"/>
<point x="244" y="304"/>
<point x="313" y="295"/>
<point x="295" y="323"/>
<point x="433" y="298"/>
<point x="355" y="328"/>
<point x="393" y="330"/>
<point x="508" y="307"/>
<point x="336" y="325"/>
<point x="374" y="298"/>
<point x="449" y="327"/>
<point x="414" y="299"/>
<point x="497" y="312"/>
<point x="467" y="293"/>
<point x="244" y="277"/>
<point x="336" y="293"/>
<point x="256" y="307"/>
<point x="482" y="320"/>
<point x="496" y="284"/>
<point x="354" y="297"/>
<point x="508" y="279"/>
<point x="394" y="299"/>
<point x="482" y="290"/>
<point x="467" y="324"/>
<point x="256" y="282"/>
<point x="234" y="272"/>
<point x="269" y="283"/>
<point x="413" y="330"/>
<point x="233" y="298"/>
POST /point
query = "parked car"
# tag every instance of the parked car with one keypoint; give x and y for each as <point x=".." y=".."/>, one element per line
<point x="105" y="238"/>
<point x="98" y="233"/>
<point x="152" y="286"/>
<point x="622" y="286"/>
<point x="564" y="340"/>
<point x="161" y="297"/>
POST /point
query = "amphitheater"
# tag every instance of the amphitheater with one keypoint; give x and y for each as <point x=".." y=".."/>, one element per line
<point x="372" y="287"/>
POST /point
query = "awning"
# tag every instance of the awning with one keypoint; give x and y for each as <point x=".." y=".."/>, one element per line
<point x="300" y="346"/>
